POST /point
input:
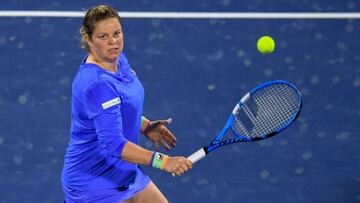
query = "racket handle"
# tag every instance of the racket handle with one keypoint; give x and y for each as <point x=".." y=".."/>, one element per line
<point x="199" y="154"/>
<point x="195" y="157"/>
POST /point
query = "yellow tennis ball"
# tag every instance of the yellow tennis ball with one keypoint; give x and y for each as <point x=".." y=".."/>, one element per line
<point x="266" y="45"/>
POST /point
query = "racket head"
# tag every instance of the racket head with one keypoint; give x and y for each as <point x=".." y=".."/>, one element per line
<point x="266" y="110"/>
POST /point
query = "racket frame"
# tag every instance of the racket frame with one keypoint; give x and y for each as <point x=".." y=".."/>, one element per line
<point x="216" y="143"/>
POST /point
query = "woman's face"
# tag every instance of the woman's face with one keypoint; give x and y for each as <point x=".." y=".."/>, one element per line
<point x="107" y="41"/>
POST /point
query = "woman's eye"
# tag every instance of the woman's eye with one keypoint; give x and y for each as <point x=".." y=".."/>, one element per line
<point x="102" y="37"/>
<point x="117" y="34"/>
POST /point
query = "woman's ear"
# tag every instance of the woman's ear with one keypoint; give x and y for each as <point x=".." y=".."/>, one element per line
<point x="88" y="41"/>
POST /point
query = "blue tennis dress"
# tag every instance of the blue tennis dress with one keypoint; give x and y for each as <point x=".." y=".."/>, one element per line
<point x="106" y="114"/>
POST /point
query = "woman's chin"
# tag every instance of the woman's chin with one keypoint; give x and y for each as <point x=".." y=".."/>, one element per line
<point x="113" y="57"/>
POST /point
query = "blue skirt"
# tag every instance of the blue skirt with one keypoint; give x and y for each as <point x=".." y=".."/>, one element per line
<point x="113" y="195"/>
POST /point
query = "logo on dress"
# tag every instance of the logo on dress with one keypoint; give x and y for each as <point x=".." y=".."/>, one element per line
<point x="111" y="103"/>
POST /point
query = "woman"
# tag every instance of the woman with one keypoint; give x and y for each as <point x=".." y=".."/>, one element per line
<point x="101" y="161"/>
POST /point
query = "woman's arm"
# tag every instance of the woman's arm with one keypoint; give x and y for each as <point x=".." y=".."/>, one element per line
<point x="136" y="154"/>
<point x="107" y="121"/>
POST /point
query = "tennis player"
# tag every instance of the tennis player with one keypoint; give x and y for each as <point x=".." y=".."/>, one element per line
<point x="103" y="156"/>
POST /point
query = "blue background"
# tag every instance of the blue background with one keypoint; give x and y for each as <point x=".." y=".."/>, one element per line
<point x="193" y="71"/>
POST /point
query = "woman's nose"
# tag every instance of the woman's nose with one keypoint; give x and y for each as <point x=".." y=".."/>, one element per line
<point x="112" y="40"/>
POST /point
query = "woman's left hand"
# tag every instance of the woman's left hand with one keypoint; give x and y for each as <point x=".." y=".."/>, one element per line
<point x="157" y="132"/>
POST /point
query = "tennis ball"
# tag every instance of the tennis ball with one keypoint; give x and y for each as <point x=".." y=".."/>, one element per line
<point x="266" y="45"/>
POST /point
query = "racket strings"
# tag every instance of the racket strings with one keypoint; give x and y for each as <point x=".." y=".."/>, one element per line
<point x="279" y="106"/>
<point x="266" y="111"/>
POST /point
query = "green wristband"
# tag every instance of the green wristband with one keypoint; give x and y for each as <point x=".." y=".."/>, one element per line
<point x="142" y="120"/>
<point x="159" y="160"/>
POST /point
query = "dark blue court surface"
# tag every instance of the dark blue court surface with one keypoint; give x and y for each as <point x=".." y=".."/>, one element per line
<point x="193" y="71"/>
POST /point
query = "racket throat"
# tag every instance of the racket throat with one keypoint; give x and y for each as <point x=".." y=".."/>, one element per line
<point x="221" y="134"/>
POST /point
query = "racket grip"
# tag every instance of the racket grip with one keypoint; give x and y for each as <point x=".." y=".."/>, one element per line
<point x="195" y="157"/>
<point x="199" y="154"/>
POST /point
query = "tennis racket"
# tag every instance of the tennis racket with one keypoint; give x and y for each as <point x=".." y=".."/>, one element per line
<point x="263" y="112"/>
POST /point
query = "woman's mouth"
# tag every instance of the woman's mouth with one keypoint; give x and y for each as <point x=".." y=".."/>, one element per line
<point x="114" y="50"/>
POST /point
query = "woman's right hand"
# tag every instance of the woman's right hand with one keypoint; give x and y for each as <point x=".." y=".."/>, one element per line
<point x="178" y="165"/>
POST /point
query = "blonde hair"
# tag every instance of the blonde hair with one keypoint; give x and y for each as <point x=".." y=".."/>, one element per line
<point x="92" y="16"/>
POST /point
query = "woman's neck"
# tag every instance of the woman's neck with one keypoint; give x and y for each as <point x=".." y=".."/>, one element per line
<point x="109" y="66"/>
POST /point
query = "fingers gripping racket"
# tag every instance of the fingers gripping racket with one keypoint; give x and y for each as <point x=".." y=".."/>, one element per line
<point x="262" y="113"/>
